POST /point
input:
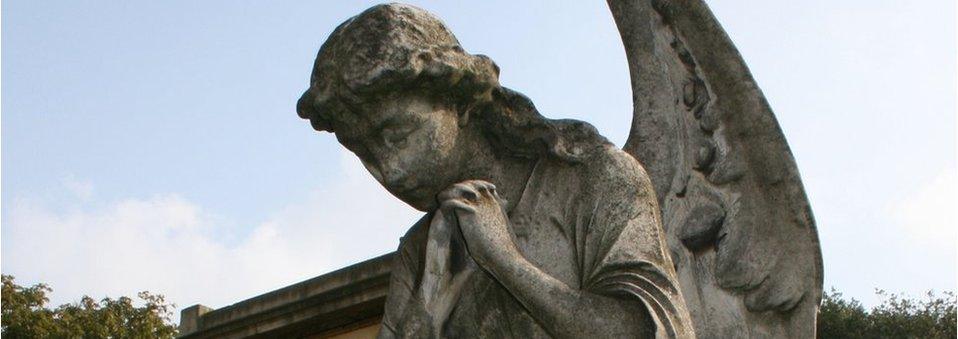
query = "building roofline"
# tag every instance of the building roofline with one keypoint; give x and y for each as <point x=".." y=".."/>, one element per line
<point x="342" y="298"/>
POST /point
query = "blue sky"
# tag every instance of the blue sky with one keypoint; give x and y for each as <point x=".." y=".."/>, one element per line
<point x="154" y="145"/>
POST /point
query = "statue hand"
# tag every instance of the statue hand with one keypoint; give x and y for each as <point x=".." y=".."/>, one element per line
<point x="482" y="220"/>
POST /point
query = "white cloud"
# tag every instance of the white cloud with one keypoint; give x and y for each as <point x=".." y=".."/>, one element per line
<point x="927" y="215"/>
<point x="169" y="245"/>
<point x="82" y="189"/>
<point x="166" y="244"/>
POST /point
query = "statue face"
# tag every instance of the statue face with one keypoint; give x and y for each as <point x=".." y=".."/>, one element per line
<point x="409" y="144"/>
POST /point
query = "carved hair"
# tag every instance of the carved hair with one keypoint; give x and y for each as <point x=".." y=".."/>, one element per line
<point x="400" y="48"/>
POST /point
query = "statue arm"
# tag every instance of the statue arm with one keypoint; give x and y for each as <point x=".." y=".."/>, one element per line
<point x="614" y="300"/>
<point x="567" y="312"/>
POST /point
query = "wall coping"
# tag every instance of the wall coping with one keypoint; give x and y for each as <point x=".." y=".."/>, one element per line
<point x="342" y="298"/>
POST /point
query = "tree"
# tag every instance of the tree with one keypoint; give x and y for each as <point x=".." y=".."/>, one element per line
<point x="895" y="317"/>
<point x="25" y="315"/>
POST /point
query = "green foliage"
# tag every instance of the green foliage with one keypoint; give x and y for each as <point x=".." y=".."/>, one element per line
<point x="25" y="315"/>
<point x="896" y="317"/>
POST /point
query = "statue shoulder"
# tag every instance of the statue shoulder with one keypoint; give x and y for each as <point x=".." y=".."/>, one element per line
<point x="611" y="170"/>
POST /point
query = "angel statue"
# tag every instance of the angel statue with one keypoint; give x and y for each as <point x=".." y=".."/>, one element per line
<point x="541" y="228"/>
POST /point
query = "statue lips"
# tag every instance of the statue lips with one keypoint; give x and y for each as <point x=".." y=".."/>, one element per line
<point x="399" y="184"/>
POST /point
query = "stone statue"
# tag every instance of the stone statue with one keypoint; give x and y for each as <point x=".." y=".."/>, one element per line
<point x="542" y="228"/>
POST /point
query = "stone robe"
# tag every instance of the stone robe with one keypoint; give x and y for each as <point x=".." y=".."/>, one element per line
<point x="593" y="225"/>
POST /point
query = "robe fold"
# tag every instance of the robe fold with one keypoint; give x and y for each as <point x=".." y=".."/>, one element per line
<point x="594" y="225"/>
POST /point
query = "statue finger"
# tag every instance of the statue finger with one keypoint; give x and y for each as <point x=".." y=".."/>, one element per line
<point x="455" y="206"/>
<point x="485" y="187"/>
<point x="459" y="191"/>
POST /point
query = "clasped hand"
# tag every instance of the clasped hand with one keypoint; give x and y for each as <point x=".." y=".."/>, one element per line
<point x="482" y="219"/>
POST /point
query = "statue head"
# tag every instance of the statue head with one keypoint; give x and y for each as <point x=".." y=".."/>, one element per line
<point x="399" y="91"/>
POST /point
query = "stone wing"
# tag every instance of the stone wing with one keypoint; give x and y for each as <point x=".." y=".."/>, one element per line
<point x="739" y="226"/>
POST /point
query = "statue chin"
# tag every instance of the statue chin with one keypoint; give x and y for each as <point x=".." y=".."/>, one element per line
<point x="422" y="198"/>
<point x="423" y="205"/>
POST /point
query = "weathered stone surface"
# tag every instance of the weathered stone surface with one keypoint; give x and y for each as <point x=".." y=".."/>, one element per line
<point x="536" y="227"/>
<point x="739" y="226"/>
<point x="348" y="298"/>
<point x="190" y="318"/>
<point x="542" y="228"/>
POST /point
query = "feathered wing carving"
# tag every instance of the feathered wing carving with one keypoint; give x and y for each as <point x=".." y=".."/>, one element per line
<point x="738" y="223"/>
